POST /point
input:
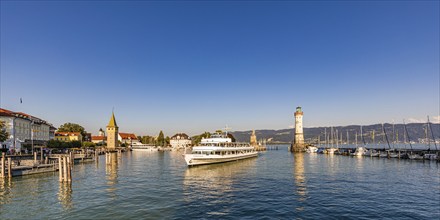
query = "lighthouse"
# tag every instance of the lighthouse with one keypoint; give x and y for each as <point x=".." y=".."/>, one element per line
<point x="298" y="142"/>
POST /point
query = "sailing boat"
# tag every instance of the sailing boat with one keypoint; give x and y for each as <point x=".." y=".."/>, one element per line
<point x="372" y="152"/>
<point x="332" y="150"/>
<point x="360" y="151"/>
<point x="411" y="155"/>
<point x="387" y="152"/>
<point x="430" y="156"/>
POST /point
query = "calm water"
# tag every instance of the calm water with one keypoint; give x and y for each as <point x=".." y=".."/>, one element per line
<point x="277" y="184"/>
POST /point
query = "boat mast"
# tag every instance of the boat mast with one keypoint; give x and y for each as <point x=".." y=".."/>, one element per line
<point x="406" y="130"/>
<point x="356" y="139"/>
<point x="432" y="134"/>
<point x="348" y="140"/>
<point x="426" y="135"/>
<point x="362" y="137"/>
<point x="331" y="134"/>
<point x="386" y="137"/>
<point x="394" y="135"/>
<point x="337" y="139"/>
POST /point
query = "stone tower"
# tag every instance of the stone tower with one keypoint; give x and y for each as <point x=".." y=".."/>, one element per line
<point x="112" y="133"/>
<point x="298" y="143"/>
<point x="253" y="139"/>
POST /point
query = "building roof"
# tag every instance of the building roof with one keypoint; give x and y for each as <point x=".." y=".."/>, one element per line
<point x="112" y="122"/>
<point x="181" y="136"/>
<point x="5" y="112"/>
<point x="8" y="113"/>
<point x="127" y="135"/>
<point x="62" y="133"/>
<point x="99" y="138"/>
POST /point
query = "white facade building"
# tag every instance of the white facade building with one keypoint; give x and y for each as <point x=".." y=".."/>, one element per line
<point x="180" y="140"/>
<point x="25" y="129"/>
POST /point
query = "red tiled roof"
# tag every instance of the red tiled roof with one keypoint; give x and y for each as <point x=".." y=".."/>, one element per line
<point x="5" y="112"/>
<point x="99" y="138"/>
<point x="127" y="135"/>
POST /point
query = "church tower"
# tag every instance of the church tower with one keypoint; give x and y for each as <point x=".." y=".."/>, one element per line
<point x="112" y="133"/>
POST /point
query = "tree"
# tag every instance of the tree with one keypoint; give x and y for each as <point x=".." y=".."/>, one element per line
<point x="87" y="144"/>
<point x="167" y="140"/>
<point x="72" y="127"/>
<point x="3" y="134"/>
<point x="160" y="139"/>
<point x="54" y="144"/>
<point x="76" y="144"/>
<point x="196" y="139"/>
<point x="231" y="136"/>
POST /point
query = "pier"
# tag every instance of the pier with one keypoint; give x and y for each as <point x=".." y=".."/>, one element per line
<point x="20" y="165"/>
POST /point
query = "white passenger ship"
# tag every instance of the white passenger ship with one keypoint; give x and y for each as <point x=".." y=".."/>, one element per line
<point x="218" y="149"/>
<point x="142" y="147"/>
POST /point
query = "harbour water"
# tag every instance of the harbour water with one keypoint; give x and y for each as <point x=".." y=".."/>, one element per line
<point x="277" y="184"/>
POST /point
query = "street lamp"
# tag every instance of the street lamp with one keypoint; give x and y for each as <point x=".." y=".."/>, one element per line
<point x="32" y="136"/>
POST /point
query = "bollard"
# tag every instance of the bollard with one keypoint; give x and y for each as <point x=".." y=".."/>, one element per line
<point x="9" y="167"/>
<point x="64" y="169"/>
<point x="3" y="166"/>
<point x="69" y="169"/>
<point x="35" y="157"/>
<point x="46" y="160"/>
<point x="71" y="159"/>
<point x="60" y="168"/>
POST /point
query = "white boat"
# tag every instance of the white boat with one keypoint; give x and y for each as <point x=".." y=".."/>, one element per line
<point x="360" y="151"/>
<point x="371" y="153"/>
<point x="430" y="156"/>
<point x="143" y="147"/>
<point x="383" y="154"/>
<point x="312" y="149"/>
<point x="218" y="149"/>
<point x="331" y="150"/>
<point x="416" y="156"/>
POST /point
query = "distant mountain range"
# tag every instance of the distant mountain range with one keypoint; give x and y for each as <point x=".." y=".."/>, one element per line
<point x="416" y="133"/>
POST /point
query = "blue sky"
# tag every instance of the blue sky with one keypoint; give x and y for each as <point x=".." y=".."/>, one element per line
<point x="191" y="66"/>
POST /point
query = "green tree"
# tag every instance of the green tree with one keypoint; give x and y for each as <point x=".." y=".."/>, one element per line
<point x="54" y="144"/>
<point x="167" y="140"/>
<point x="160" y="139"/>
<point x="231" y="136"/>
<point x="87" y="144"/>
<point x="76" y="144"/>
<point x="196" y="139"/>
<point x="66" y="145"/>
<point x="72" y="127"/>
<point x="3" y="134"/>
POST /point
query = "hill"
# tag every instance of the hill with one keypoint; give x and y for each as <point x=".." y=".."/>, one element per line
<point x="416" y="132"/>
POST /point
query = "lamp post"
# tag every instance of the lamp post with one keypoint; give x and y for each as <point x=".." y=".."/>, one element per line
<point x="32" y="136"/>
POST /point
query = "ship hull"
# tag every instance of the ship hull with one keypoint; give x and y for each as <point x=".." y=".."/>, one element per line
<point x="197" y="159"/>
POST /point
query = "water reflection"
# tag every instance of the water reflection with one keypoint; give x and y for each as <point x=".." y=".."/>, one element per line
<point x="5" y="190"/>
<point x="213" y="181"/>
<point x="300" y="180"/>
<point x="111" y="172"/>
<point x="65" y="195"/>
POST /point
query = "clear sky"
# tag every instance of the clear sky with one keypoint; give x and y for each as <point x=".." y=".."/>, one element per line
<point x="192" y="66"/>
